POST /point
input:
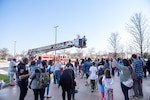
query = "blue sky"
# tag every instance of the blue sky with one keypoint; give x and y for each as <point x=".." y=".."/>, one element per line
<point x="31" y="22"/>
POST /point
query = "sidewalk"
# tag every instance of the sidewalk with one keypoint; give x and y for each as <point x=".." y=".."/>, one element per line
<point x="12" y="93"/>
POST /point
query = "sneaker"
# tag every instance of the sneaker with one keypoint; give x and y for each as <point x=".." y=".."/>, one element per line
<point x="92" y="91"/>
<point x="86" y="84"/>
<point x="49" y="96"/>
<point x="140" y="96"/>
<point x="136" y="98"/>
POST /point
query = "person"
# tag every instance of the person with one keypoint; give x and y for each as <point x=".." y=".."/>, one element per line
<point x="12" y="71"/>
<point x="66" y="81"/>
<point x="119" y="61"/>
<point x="138" y="76"/>
<point x="57" y="68"/>
<point x="23" y="75"/>
<point x="74" y="84"/>
<point x="102" y="90"/>
<point x="33" y="66"/>
<point x="113" y="67"/>
<point x="49" y="71"/>
<point x="69" y="64"/>
<point x="106" y="65"/>
<point x="143" y="65"/>
<point x="81" y="68"/>
<point x="39" y="61"/>
<point x="102" y="61"/>
<point x="93" y="76"/>
<point x="100" y="69"/>
<point x="148" y="66"/>
<point x="127" y="73"/>
<point x="107" y="81"/>
<point x="35" y="76"/>
<point x="76" y="67"/>
<point x="87" y="64"/>
<point x="97" y="62"/>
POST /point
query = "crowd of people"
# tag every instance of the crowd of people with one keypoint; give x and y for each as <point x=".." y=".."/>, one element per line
<point x="35" y="74"/>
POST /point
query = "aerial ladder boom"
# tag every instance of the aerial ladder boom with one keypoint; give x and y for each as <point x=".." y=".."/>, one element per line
<point x="79" y="43"/>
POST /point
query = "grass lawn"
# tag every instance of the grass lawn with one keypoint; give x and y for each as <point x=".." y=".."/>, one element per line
<point x="4" y="77"/>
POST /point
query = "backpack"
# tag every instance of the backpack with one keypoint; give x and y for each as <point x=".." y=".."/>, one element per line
<point x="43" y="80"/>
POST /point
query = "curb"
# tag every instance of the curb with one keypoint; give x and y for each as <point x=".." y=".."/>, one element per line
<point x="4" y="86"/>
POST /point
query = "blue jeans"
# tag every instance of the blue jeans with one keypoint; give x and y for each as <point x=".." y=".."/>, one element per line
<point x="75" y="71"/>
<point x="113" y="71"/>
<point x="11" y="77"/>
<point x="57" y="76"/>
<point x="48" y="88"/>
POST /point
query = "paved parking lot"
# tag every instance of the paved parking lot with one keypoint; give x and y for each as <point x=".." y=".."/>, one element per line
<point x="12" y="93"/>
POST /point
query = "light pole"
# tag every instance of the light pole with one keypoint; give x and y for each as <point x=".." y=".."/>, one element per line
<point x="55" y="40"/>
<point x="14" y="48"/>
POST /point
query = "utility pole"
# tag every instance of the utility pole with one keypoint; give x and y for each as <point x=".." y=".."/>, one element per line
<point x="14" y="48"/>
<point x="55" y="40"/>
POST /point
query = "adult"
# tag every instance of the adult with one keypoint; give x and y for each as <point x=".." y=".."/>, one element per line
<point x="33" y="66"/>
<point x="102" y="61"/>
<point x="76" y="66"/>
<point x="49" y="70"/>
<point x="148" y="65"/>
<point x="127" y="73"/>
<point x="57" y="67"/>
<point x="119" y="61"/>
<point x="81" y="68"/>
<point x="39" y="61"/>
<point x="66" y="81"/>
<point x="138" y="70"/>
<point x="12" y="71"/>
<point x="23" y="75"/>
<point x="69" y="64"/>
<point x="106" y="65"/>
<point x="35" y="76"/>
<point x="97" y="62"/>
<point x="87" y="64"/>
<point x="144" y="66"/>
<point x="113" y="67"/>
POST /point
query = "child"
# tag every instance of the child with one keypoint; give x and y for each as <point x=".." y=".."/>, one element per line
<point x="107" y="82"/>
<point x="102" y="90"/>
<point x="96" y="82"/>
<point x="100" y="69"/>
<point x="93" y="76"/>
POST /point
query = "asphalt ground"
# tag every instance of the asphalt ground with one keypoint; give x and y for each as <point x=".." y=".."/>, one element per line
<point x="84" y="92"/>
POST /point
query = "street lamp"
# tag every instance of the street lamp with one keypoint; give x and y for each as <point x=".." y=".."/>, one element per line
<point x="55" y="39"/>
<point x="14" y="48"/>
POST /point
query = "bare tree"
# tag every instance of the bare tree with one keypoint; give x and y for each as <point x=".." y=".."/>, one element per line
<point x="64" y="51"/>
<point x="79" y="53"/>
<point x="138" y="27"/>
<point x="114" y="42"/>
<point x="91" y="52"/>
<point x="23" y="54"/>
<point x="4" y="53"/>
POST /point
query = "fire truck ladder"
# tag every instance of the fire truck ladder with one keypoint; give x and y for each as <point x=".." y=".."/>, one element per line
<point x="79" y="43"/>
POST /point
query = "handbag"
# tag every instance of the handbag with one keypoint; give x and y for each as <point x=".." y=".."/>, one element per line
<point x="128" y="83"/>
